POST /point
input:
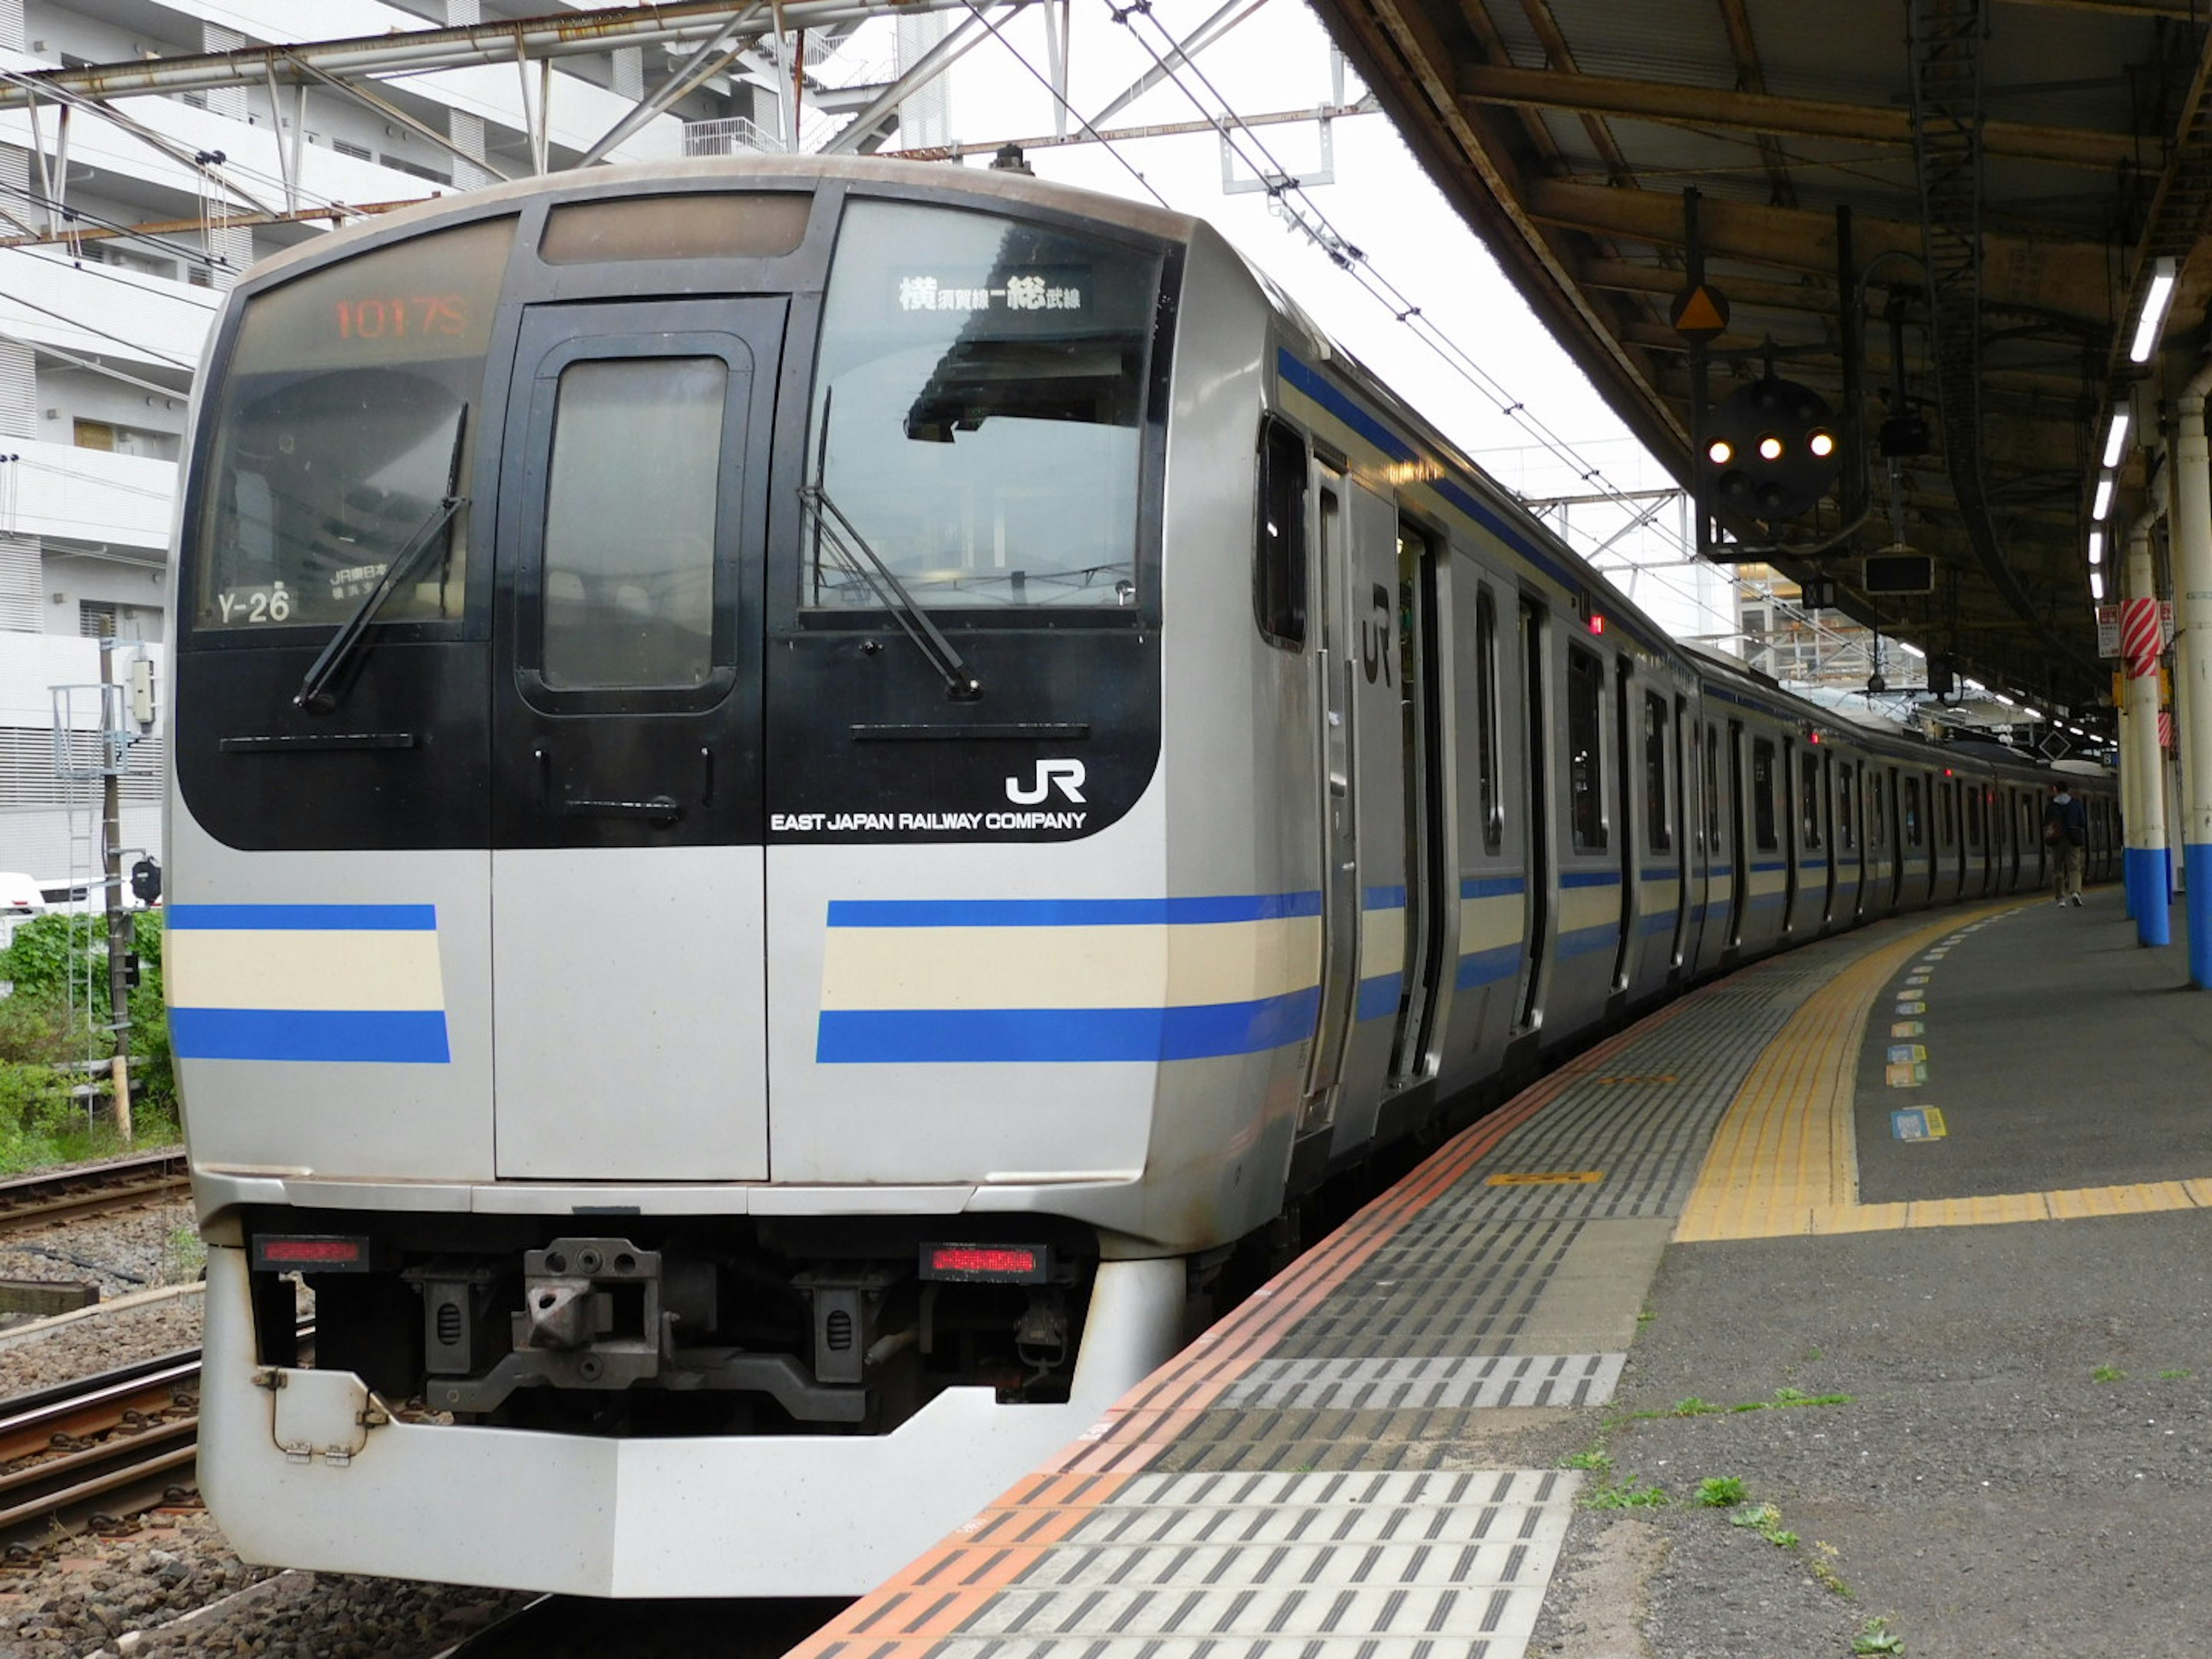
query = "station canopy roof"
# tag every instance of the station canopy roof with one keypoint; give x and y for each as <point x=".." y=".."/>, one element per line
<point x="2017" y="173"/>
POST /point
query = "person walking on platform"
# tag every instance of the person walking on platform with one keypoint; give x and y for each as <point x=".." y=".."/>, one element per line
<point x="2066" y="833"/>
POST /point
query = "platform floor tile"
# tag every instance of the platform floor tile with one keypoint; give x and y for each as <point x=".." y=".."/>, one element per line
<point x="1497" y="1380"/>
<point x="1295" y="1565"/>
<point x="1421" y="1294"/>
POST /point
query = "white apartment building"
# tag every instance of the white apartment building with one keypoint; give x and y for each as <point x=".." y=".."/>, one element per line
<point x="101" y="334"/>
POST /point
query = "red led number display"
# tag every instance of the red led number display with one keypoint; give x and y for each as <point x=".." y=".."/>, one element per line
<point x="399" y="317"/>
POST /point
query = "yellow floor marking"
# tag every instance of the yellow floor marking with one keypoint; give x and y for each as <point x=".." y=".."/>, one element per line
<point x="1785" y="1161"/>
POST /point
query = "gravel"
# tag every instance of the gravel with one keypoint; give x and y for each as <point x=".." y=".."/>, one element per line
<point x="175" y="1587"/>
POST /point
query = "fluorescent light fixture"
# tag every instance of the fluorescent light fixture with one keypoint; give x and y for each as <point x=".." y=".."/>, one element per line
<point x="2104" y="503"/>
<point x="1909" y="650"/>
<point x="2097" y="586"/>
<point x="2028" y="714"/>
<point x="1974" y="685"/>
<point x="2160" y="297"/>
<point x="2003" y="699"/>
<point x="2116" y="437"/>
<point x="2096" y="549"/>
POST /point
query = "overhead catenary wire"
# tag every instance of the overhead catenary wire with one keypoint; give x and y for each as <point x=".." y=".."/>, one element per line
<point x="1281" y="183"/>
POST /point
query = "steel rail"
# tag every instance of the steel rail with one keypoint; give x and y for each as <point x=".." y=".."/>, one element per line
<point x="88" y="1188"/>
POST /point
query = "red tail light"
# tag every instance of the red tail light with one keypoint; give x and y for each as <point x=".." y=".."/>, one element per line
<point x="322" y="1253"/>
<point x="1008" y="1264"/>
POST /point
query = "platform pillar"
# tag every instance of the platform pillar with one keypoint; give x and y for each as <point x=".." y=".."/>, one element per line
<point x="2143" y="783"/>
<point x="2192" y="666"/>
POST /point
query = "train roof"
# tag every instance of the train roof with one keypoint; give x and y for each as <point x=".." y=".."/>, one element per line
<point x="982" y="184"/>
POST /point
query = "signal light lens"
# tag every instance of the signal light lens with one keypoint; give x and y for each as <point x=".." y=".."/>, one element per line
<point x="1720" y="451"/>
<point x="1007" y="1264"/>
<point x="1770" y="448"/>
<point x="1597" y="624"/>
<point x="1823" y="444"/>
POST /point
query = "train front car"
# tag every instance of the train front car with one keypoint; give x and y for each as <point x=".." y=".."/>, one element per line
<point x="673" y="936"/>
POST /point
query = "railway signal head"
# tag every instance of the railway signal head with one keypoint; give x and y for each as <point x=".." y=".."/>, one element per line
<point x="1773" y="449"/>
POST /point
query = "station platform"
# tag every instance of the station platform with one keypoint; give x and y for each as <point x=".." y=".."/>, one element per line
<point x="1794" y="1231"/>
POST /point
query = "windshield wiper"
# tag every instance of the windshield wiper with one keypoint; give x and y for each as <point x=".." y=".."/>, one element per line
<point x="315" y="694"/>
<point x="853" y="556"/>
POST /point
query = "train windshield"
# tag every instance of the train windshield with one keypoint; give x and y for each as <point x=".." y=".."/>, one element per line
<point x="343" y="429"/>
<point x="978" y="411"/>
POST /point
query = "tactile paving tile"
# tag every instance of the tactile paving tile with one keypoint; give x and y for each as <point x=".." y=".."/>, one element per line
<point x="1287" y="1566"/>
<point x="1444" y="1285"/>
<point x="1577" y="1379"/>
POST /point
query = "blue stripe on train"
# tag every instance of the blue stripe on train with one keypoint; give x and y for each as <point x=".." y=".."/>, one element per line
<point x="1069" y="913"/>
<point x="406" y="1037"/>
<point x="303" y="918"/>
<point x="1060" y="1035"/>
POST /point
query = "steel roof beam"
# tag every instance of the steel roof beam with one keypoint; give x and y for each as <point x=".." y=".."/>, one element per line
<point x="1707" y="108"/>
<point x="2051" y="278"/>
<point x="416" y="51"/>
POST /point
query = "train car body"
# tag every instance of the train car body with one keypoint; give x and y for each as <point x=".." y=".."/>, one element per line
<point x="800" y="789"/>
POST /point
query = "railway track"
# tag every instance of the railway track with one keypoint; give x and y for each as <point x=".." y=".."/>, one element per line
<point x="82" y="1454"/>
<point x="84" y="1189"/>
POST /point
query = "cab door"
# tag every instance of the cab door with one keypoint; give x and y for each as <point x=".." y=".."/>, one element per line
<point x="626" y="688"/>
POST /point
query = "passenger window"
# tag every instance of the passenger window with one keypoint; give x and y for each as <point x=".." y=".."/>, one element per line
<point x="1809" y="796"/>
<point x="1279" y="584"/>
<point x="1714" y="845"/>
<point x="1655" y="803"/>
<point x="1486" y="723"/>
<point x="1847" y="829"/>
<point x="1912" y="811"/>
<point x="1762" y="794"/>
<point x="629" y="597"/>
<point x="1586" y="749"/>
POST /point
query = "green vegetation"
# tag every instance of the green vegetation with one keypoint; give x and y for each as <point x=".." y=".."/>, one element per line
<point x="1694" y="1407"/>
<point x="1874" y="1636"/>
<point x="1651" y="1495"/>
<point x="2108" y="1374"/>
<point x="2174" y="1375"/>
<point x="46" y="1031"/>
<point x="1720" y="1492"/>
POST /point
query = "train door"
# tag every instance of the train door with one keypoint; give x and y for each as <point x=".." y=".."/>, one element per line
<point x="1845" y="859"/>
<point x="1739" y="865"/>
<point x="1429" y="926"/>
<point x="1335" y="663"/>
<point x="1716" y="925"/>
<point x="1681" y="755"/>
<point x="1631" y="754"/>
<point x="1539" y="922"/>
<point x="626" y="688"/>
<point x="1797" y="848"/>
<point x="1367" y="624"/>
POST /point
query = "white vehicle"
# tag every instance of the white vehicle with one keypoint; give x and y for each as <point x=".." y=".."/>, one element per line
<point x="20" y="895"/>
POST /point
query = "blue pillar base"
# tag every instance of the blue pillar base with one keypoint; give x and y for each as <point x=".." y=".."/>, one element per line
<point x="2197" y="865"/>
<point x="2146" y="871"/>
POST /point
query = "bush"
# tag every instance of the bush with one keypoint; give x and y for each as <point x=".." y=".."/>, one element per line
<point x="40" y="1122"/>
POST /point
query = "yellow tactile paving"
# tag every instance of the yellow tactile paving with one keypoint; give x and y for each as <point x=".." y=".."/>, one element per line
<point x="1784" y="1161"/>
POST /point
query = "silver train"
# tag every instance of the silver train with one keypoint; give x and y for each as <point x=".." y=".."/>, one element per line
<point x="803" y="790"/>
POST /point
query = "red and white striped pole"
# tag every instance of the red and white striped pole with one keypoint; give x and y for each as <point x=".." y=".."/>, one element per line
<point x="2142" y="780"/>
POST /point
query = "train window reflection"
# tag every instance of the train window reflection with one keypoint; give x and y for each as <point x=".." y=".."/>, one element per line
<point x="1762" y="795"/>
<point x="630" y="599"/>
<point x="1585" y="750"/>
<point x="1656" y="812"/>
<point x="978" y="407"/>
<point x="341" y="424"/>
